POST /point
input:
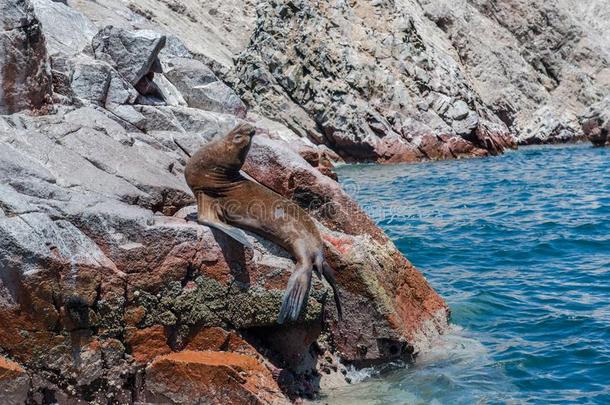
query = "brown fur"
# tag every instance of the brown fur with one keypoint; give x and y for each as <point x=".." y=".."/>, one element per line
<point x="225" y="196"/>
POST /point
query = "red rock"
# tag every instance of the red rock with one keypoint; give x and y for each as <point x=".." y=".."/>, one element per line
<point x="343" y="245"/>
<point x="393" y="149"/>
<point x="432" y="147"/>
<point x="147" y="284"/>
<point x="406" y="312"/>
<point x="190" y="377"/>
<point x="148" y="343"/>
<point x="218" y="339"/>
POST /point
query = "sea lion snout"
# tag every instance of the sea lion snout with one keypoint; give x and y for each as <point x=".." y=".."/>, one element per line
<point x="251" y="131"/>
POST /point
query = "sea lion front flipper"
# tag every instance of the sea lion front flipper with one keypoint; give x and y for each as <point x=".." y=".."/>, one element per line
<point x="208" y="215"/>
<point x="296" y="294"/>
<point x="232" y="231"/>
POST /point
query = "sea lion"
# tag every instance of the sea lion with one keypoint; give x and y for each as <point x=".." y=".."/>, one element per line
<point x="225" y="197"/>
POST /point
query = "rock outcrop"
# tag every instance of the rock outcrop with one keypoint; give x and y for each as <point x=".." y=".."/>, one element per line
<point x="25" y="77"/>
<point x="399" y="80"/>
<point x="97" y="256"/>
<point x="110" y="292"/>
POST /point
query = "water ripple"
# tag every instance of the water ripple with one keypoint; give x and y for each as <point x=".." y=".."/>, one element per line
<point x="519" y="246"/>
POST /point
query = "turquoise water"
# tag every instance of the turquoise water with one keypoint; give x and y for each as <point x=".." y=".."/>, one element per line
<point x="519" y="247"/>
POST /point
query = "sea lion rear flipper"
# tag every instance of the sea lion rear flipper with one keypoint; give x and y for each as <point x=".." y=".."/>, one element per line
<point x="296" y="294"/>
<point x="329" y="275"/>
<point x="207" y="215"/>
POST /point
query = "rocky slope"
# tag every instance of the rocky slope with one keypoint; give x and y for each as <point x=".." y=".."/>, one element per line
<point x="398" y="80"/>
<point x="109" y="291"/>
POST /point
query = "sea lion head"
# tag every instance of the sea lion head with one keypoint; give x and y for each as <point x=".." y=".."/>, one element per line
<point x="236" y="145"/>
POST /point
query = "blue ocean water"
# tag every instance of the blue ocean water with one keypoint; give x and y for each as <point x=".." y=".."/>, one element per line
<point x="519" y="247"/>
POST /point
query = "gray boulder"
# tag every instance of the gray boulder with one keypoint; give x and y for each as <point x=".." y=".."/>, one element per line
<point x="169" y="92"/>
<point x="66" y="30"/>
<point x="131" y="53"/>
<point x="201" y="88"/>
<point x="91" y="79"/>
<point x="98" y="82"/>
<point x="25" y="75"/>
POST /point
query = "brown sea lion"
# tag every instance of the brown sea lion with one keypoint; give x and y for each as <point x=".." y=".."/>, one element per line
<point x="225" y="197"/>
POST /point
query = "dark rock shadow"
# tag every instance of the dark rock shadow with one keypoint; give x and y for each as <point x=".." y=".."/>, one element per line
<point x="289" y="348"/>
<point x="233" y="252"/>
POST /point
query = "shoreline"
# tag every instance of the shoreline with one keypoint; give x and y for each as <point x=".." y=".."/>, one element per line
<point x="109" y="290"/>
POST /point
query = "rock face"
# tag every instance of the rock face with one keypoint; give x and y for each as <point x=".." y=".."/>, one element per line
<point x="399" y="80"/>
<point x="536" y="64"/>
<point x="109" y="291"/>
<point x="367" y="80"/>
<point x="25" y="77"/>
<point x="14" y="383"/>
<point x="484" y="73"/>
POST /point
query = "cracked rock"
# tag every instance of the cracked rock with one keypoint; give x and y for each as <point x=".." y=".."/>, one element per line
<point x="131" y="53"/>
<point x="25" y="74"/>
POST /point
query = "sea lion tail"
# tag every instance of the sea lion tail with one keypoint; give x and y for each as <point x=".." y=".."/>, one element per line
<point x="296" y="294"/>
<point x="329" y="275"/>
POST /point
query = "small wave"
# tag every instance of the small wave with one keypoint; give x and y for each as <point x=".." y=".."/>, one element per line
<point x="457" y="369"/>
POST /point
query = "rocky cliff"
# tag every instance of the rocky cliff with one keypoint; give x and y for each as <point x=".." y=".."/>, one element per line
<point x="398" y="80"/>
<point x="109" y="291"/>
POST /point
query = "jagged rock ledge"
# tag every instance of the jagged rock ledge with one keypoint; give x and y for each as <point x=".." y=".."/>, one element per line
<point x="397" y="80"/>
<point x="109" y="293"/>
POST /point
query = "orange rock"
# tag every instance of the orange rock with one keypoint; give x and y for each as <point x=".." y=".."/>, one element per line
<point x="218" y="339"/>
<point x="14" y="382"/>
<point x="342" y="245"/>
<point x="211" y="378"/>
<point x="9" y="369"/>
<point x="134" y="316"/>
<point x="148" y="343"/>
